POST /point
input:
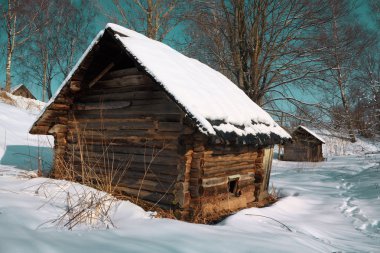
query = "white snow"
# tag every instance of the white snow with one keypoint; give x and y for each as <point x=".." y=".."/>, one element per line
<point x="31" y="105"/>
<point x="204" y="93"/>
<point x="319" y="208"/>
<point x="15" y="120"/>
<point x="338" y="144"/>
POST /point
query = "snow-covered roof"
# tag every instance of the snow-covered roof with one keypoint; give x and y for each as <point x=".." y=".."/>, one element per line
<point x="312" y="133"/>
<point x="16" y="87"/>
<point x="216" y="104"/>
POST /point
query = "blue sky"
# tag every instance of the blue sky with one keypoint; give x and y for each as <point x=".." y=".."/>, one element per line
<point x="99" y="23"/>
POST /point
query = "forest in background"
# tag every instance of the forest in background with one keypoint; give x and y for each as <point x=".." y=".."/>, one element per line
<point x="313" y="62"/>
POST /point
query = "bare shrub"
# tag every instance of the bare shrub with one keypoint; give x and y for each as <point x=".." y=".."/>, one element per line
<point x="83" y="205"/>
<point x="4" y="96"/>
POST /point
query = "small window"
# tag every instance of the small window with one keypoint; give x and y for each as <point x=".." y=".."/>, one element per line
<point x="233" y="187"/>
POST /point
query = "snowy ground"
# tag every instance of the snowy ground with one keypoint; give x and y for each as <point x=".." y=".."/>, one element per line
<point x="15" y="120"/>
<point x="332" y="206"/>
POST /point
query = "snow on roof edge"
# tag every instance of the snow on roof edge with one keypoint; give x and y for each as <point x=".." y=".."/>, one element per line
<point x="312" y="133"/>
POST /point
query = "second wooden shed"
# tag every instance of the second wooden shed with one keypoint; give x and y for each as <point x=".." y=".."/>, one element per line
<point x="23" y="91"/>
<point x="306" y="146"/>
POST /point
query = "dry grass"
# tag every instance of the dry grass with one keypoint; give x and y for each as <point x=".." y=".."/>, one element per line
<point x="82" y="205"/>
<point x="101" y="171"/>
<point x="6" y="98"/>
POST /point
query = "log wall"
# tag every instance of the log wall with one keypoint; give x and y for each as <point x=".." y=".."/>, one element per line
<point x="208" y="171"/>
<point x="305" y="147"/>
<point x="126" y="123"/>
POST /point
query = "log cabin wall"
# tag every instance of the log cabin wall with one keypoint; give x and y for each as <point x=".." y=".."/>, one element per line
<point x="221" y="178"/>
<point x="126" y="122"/>
<point x="303" y="149"/>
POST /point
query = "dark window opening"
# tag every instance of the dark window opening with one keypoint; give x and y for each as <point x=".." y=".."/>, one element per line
<point x="233" y="187"/>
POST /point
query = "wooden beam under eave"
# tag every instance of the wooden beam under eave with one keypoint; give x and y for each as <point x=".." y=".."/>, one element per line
<point x="75" y="86"/>
<point x="101" y="74"/>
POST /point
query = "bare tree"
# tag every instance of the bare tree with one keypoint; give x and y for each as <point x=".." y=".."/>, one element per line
<point x="338" y="45"/>
<point x="155" y="18"/>
<point x="18" y="25"/>
<point x="366" y="92"/>
<point x="53" y="50"/>
<point x="259" y="44"/>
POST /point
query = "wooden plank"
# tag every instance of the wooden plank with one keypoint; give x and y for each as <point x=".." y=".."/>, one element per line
<point x="122" y="134"/>
<point x="58" y="106"/>
<point x="115" y="117"/>
<point x="125" y="81"/>
<point x="99" y="90"/>
<point x="117" y="157"/>
<point x="120" y="73"/>
<point x="102" y="106"/>
<point x="105" y="125"/>
<point x="147" y="195"/>
<point x="125" y="149"/>
<point x="136" y="95"/>
<point x="170" y="126"/>
<point x="101" y="74"/>
<point x="147" y="109"/>
<point x="167" y="143"/>
<point x="75" y="86"/>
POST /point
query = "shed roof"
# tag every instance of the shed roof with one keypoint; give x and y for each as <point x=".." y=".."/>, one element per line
<point x="311" y="133"/>
<point x="22" y="86"/>
<point x="216" y="105"/>
<point x="16" y="87"/>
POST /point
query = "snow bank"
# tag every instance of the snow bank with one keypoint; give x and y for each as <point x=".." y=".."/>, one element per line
<point x="337" y="144"/>
<point x="15" y="121"/>
<point x="31" y="105"/>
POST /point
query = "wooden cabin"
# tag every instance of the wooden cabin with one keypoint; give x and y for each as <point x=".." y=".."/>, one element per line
<point x="185" y="137"/>
<point x="306" y="146"/>
<point x="23" y="91"/>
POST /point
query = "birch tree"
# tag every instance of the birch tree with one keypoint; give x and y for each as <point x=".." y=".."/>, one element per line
<point x="18" y="17"/>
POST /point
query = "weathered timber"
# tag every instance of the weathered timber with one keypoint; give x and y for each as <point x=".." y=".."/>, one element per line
<point x="143" y="95"/>
<point x="101" y="74"/>
<point x="149" y="152"/>
<point x="125" y="81"/>
<point x="75" y="86"/>
<point x="102" y="106"/>
<point x="121" y="73"/>
<point x="155" y="197"/>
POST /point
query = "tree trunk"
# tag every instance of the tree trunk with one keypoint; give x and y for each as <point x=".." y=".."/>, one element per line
<point x="346" y="108"/>
<point x="11" y="26"/>
<point x="8" y="77"/>
<point x="150" y="28"/>
<point x="343" y="97"/>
